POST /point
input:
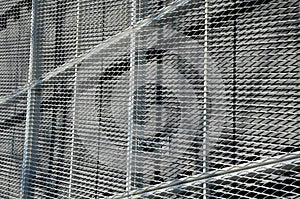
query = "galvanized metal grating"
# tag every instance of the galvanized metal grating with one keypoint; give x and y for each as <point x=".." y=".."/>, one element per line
<point x="150" y="99"/>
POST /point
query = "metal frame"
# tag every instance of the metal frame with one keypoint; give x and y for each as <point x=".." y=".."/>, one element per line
<point x="26" y="156"/>
<point x="206" y="175"/>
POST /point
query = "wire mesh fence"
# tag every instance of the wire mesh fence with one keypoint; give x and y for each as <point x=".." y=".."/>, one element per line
<point x="149" y="99"/>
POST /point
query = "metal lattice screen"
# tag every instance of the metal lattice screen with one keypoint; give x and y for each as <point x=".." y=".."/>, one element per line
<point x="149" y="99"/>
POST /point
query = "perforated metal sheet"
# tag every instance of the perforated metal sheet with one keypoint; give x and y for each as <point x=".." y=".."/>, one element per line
<point x="149" y="99"/>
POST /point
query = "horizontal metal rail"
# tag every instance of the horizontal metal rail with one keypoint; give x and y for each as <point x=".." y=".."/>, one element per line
<point x="214" y="175"/>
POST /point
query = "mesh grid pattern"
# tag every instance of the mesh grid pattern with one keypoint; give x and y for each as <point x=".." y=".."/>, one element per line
<point x="149" y="99"/>
<point x="276" y="182"/>
<point x="15" y="20"/>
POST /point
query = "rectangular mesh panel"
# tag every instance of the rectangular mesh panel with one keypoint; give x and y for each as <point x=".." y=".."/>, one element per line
<point x="168" y="100"/>
<point x="149" y="99"/>
<point x="12" y="127"/>
<point x="15" y="20"/>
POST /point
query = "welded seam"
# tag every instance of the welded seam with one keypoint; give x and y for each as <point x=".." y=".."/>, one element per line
<point x="96" y="49"/>
<point x="28" y="107"/>
<point x="214" y="175"/>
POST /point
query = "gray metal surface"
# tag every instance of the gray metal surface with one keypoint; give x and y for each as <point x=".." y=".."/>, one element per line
<point x="149" y="99"/>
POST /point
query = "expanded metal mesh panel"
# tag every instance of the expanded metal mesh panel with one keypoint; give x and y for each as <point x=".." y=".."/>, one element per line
<point x="275" y="182"/>
<point x="169" y="98"/>
<point x="278" y="181"/>
<point x="254" y="52"/>
<point x="149" y="99"/>
<point x="101" y="115"/>
<point x="50" y="112"/>
<point x="56" y="34"/>
<point x="98" y="21"/>
<point x="12" y="125"/>
<point x="15" y="18"/>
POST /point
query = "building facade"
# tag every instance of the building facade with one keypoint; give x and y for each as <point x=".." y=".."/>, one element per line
<point x="149" y="99"/>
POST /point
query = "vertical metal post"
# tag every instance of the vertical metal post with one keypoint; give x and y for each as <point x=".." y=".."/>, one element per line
<point x="28" y="107"/>
<point x="131" y="98"/>
<point x="234" y="87"/>
<point x="205" y="96"/>
<point x="74" y="102"/>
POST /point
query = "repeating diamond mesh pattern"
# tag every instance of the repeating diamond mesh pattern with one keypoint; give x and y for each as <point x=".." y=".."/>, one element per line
<point x="14" y="58"/>
<point x="149" y="99"/>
